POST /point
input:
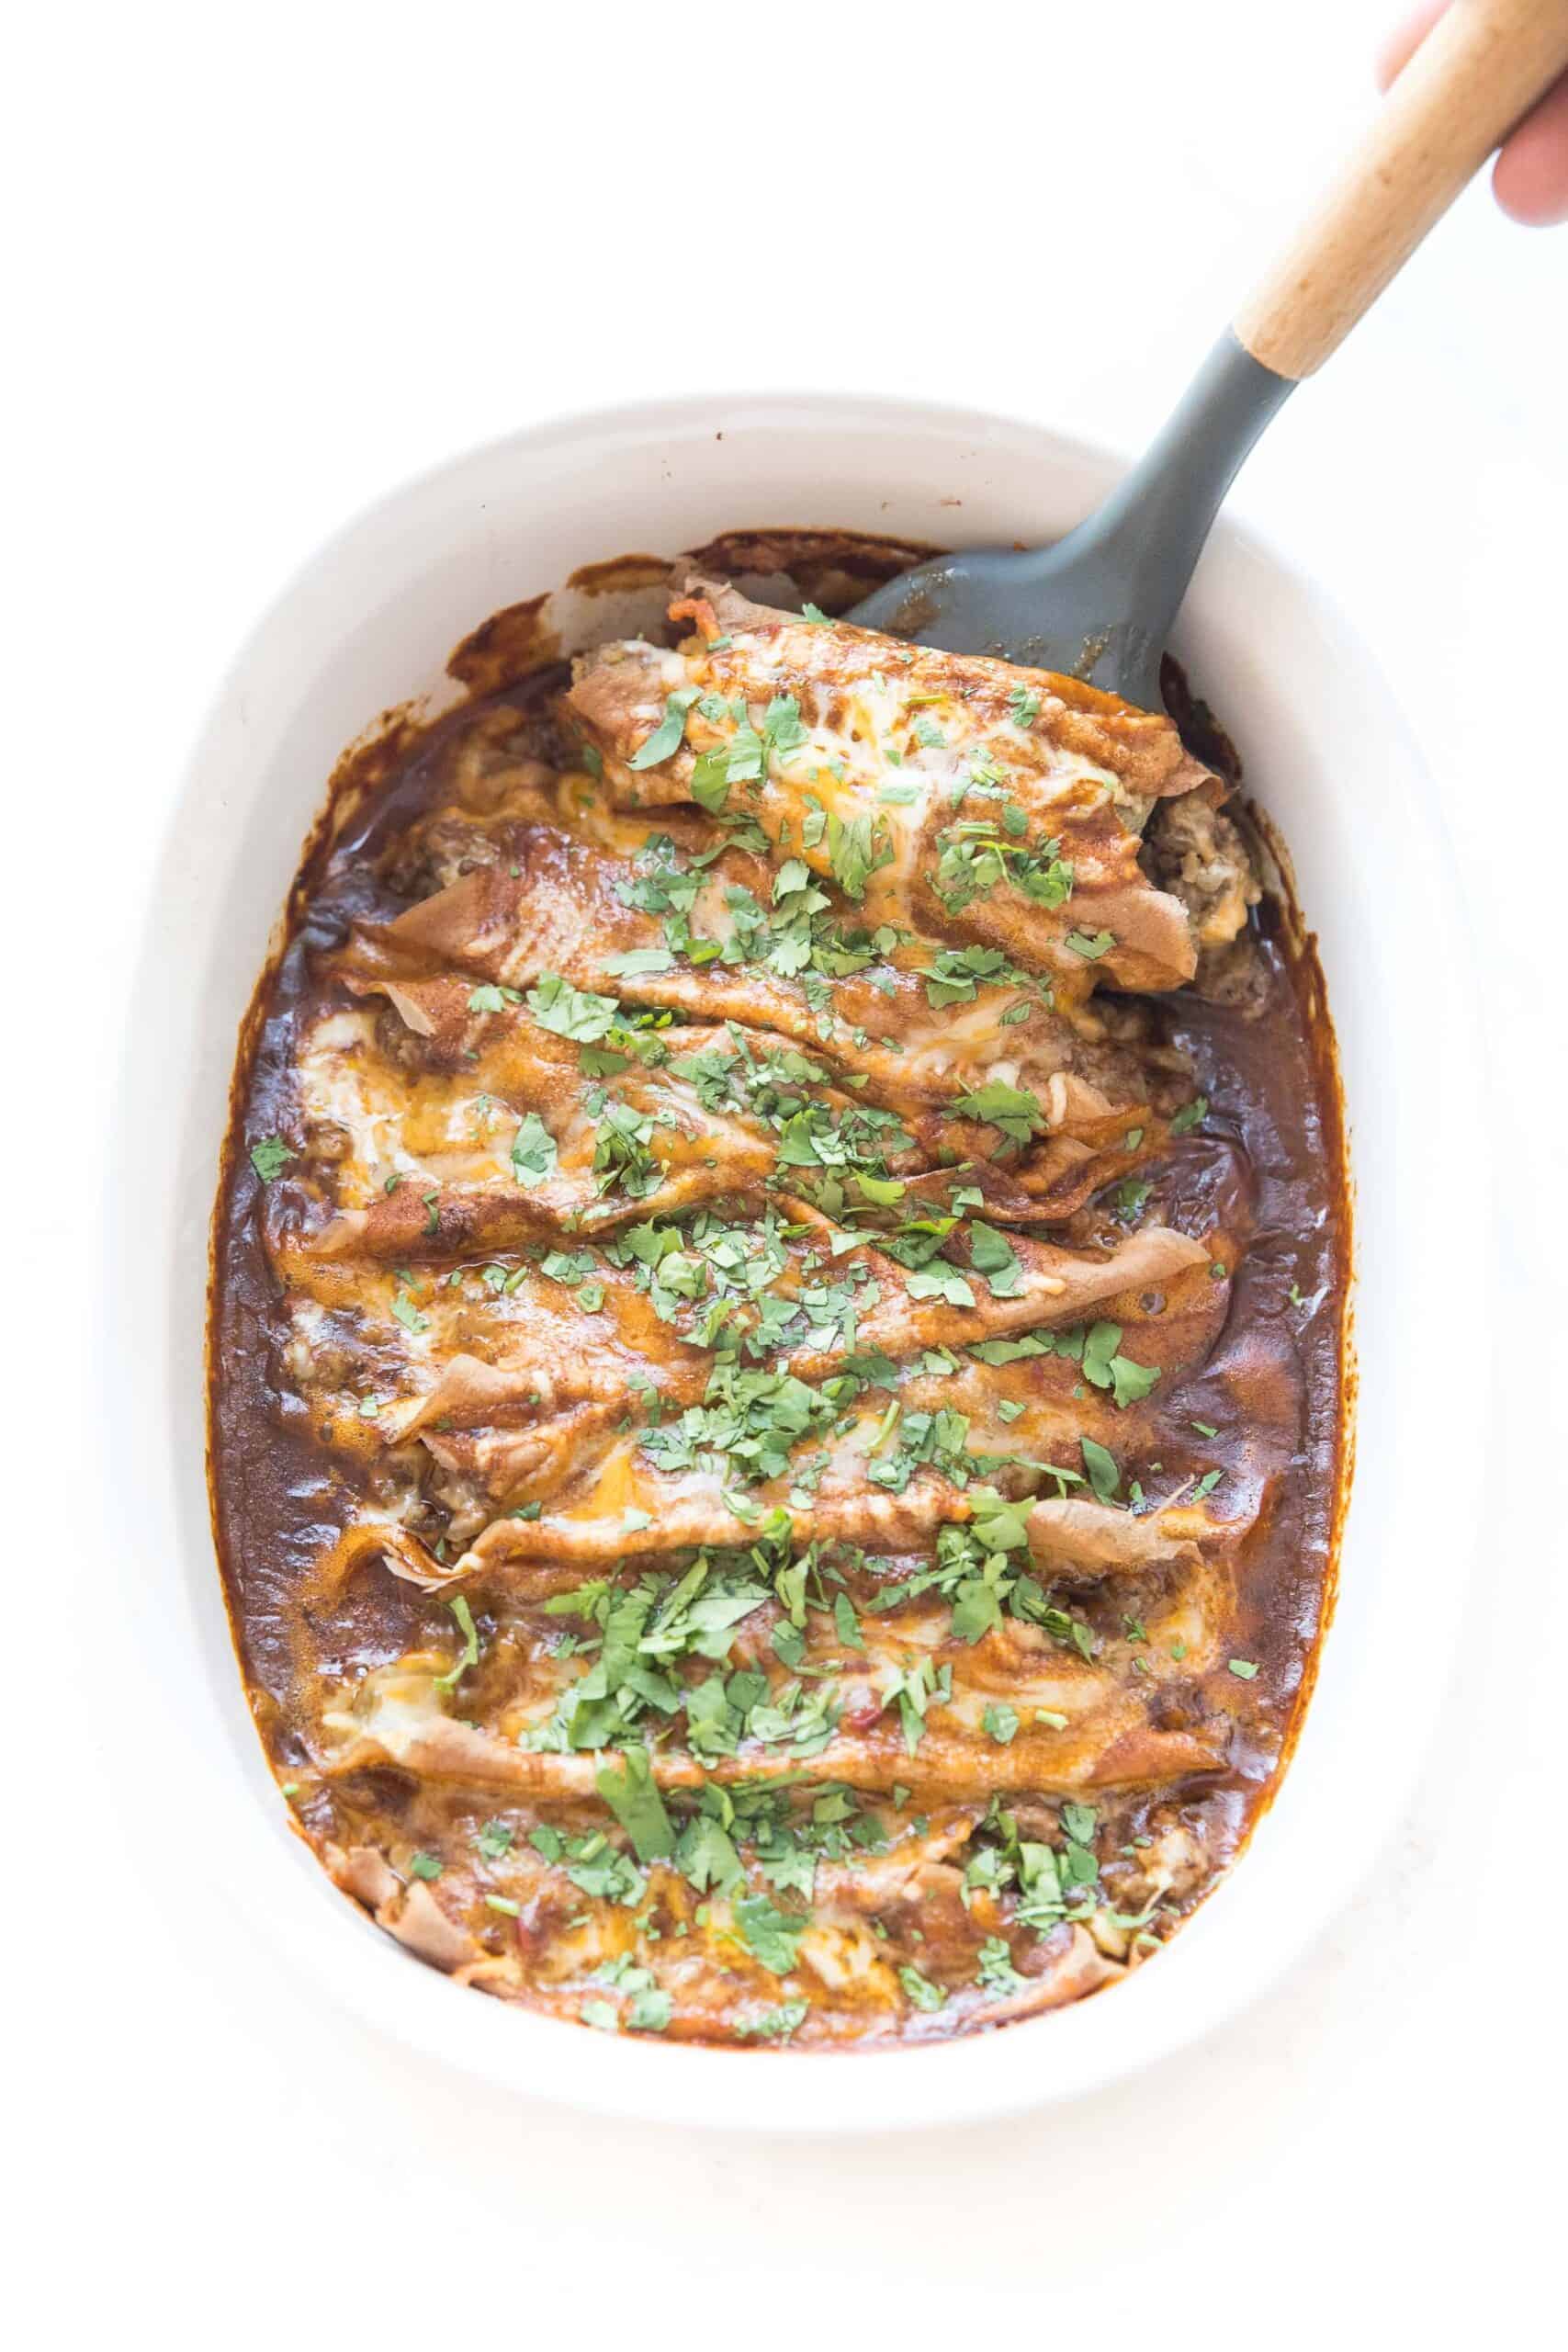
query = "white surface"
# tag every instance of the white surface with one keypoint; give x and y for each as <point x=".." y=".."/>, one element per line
<point x="274" y="261"/>
<point x="418" y="572"/>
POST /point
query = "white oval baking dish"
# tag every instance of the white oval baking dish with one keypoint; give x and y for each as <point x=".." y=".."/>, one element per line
<point x="367" y="623"/>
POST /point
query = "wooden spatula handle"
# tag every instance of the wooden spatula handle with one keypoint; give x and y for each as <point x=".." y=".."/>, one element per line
<point x="1481" y="68"/>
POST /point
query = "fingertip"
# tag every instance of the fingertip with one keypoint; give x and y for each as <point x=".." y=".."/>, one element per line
<point x="1529" y="206"/>
<point x="1529" y="178"/>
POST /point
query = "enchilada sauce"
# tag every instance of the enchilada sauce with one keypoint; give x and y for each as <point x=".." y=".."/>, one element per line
<point x="649" y="1616"/>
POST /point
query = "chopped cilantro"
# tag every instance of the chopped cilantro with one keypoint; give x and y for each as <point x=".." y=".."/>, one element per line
<point x="640" y="963"/>
<point x="533" y="1152"/>
<point x="571" y="1013"/>
<point x="921" y="1991"/>
<point x="771" y="1936"/>
<point x="650" y="2011"/>
<point x="777" y="2025"/>
<point x="846" y="1624"/>
<point x="621" y="1156"/>
<point x="1127" y="1202"/>
<point x="943" y="1282"/>
<point x="629" y="1791"/>
<point x="1103" y="1367"/>
<point x="1013" y="1109"/>
<point x="996" y="1972"/>
<point x="993" y="1255"/>
<point x="856" y="848"/>
<point x="405" y="1312"/>
<point x="270" y="1156"/>
<point x="469" y="1654"/>
<point x="1104" y="1478"/>
<point x="668" y="736"/>
<point x="706" y="1854"/>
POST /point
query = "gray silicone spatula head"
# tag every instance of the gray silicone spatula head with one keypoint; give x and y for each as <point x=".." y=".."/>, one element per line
<point x="1099" y="603"/>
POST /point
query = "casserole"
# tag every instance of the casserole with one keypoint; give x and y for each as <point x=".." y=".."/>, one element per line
<point x="370" y="625"/>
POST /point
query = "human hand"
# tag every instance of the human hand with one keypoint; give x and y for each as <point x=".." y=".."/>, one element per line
<point x="1529" y="178"/>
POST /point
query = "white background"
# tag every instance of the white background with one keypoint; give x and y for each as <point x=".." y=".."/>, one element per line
<point x="272" y="259"/>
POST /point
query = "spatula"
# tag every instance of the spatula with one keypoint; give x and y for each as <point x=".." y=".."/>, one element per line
<point x="1099" y="603"/>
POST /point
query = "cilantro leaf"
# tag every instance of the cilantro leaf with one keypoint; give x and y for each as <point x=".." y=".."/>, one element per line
<point x="571" y="1013"/>
<point x="856" y="850"/>
<point x="1129" y="1198"/>
<point x="705" y="1852"/>
<point x="640" y="963"/>
<point x="993" y="1255"/>
<point x="958" y="973"/>
<point x="710" y="780"/>
<point x="629" y="1789"/>
<point x="621" y="1155"/>
<point x="1104" y="1477"/>
<point x="670" y="733"/>
<point x="1011" y="1108"/>
<point x="469" y="1654"/>
<point x="777" y="2025"/>
<point x="999" y="1526"/>
<point x="782" y="729"/>
<point x="1129" y="1382"/>
<point x="941" y="1281"/>
<point x="533" y="1152"/>
<point x="405" y="1312"/>
<point x="846" y="1624"/>
<point x="921" y="1991"/>
<point x="651" y="2011"/>
<point x="976" y="1610"/>
<point x="269" y="1157"/>
<point x="771" y="1936"/>
<point x="996" y="1972"/>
